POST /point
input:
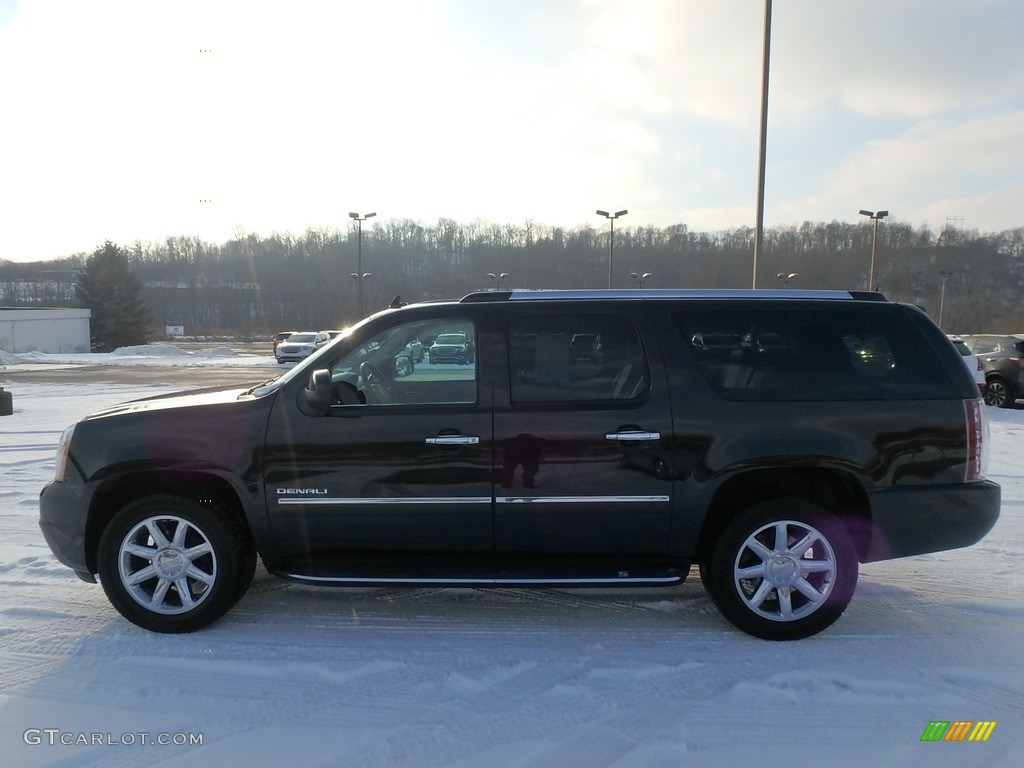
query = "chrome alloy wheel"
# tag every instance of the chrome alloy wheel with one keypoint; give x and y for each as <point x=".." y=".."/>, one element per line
<point x="785" y="570"/>
<point x="167" y="564"/>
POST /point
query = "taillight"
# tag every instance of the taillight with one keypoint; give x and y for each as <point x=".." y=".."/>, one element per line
<point x="977" y="440"/>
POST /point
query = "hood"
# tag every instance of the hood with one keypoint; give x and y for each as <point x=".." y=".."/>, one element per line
<point x="192" y="398"/>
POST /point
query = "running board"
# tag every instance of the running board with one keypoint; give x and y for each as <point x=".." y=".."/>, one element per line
<point x="362" y="580"/>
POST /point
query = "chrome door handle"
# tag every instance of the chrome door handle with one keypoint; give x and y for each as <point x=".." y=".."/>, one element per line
<point x="453" y="440"/>
<point x="632" y="435"/>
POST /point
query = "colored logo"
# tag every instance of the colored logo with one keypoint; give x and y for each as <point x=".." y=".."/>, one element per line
<point x="958" y="730"/>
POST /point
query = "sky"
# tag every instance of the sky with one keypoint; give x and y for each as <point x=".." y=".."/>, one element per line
<point x="128" y="120"/>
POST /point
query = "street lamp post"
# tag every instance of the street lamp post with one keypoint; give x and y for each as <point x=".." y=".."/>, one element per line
<point x="942" y="296"/>
<point x="641" y="278"/>
<point x="763" y="143"/>
<point x="359" y="275"/>
<point x="785" y="277"/>
<point x="497" y="278"/>
<point x="875" y="216"/>
<point x="611" y="237"/>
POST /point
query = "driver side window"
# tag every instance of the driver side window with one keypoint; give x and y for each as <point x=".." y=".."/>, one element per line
<point x="423" y="362"/>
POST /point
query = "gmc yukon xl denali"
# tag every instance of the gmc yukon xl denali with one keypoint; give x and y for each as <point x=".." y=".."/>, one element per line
<point x="774" y="439"/>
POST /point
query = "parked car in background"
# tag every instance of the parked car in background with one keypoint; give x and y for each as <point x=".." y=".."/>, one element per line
<point x="415" y="351"/>
<point x="301" y="345"/>
<point x="1002" y="356"/>
<point x="971" y="361"/>
<point x="451" y="348"/>
<point x="585" y="346"/>
<point x="279" y="337"/>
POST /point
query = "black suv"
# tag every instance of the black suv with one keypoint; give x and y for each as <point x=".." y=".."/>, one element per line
<point x="1003" y="359"/>
<point x="773" y="438"/>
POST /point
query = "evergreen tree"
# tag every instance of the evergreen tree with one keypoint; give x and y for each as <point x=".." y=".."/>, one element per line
<point x="109" y="288"/>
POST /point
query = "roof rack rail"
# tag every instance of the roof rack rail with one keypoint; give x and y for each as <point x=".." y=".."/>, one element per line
<point x="668" y="293"/>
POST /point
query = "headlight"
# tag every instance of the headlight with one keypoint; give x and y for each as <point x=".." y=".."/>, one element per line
<point x="63" y="447"/>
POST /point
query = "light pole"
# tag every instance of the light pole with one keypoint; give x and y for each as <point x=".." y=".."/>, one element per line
<point x="359" y="275"/>
<point x="497" y="278"/>
<point x="785" y="277"/>
<point x="875" y="216"/>
<point x="763" y="143"/>
<point x="641" y="279"/>
<point x="942" y="296"/>
<point x="611" y="237"/>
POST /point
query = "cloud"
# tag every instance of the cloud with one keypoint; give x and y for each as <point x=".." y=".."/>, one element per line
<point x="935" y="169"/>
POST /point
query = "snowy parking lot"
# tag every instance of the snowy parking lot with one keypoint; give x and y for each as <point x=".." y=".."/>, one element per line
<point x="512" y="677"/>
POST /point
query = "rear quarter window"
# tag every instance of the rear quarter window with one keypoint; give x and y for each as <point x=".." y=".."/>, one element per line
<point x="834" y="353"/>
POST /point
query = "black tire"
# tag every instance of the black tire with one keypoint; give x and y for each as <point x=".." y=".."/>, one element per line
<point x="200" y="566"/>
<point x="797" y="593"/>
<point x="998" y="393"/>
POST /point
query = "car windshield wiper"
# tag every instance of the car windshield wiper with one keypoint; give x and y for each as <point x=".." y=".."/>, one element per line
<point x="258" y="386"/>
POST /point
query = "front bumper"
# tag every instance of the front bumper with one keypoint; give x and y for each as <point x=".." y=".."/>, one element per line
<point x="920" y="519"/>
<point x="63" y="514"/>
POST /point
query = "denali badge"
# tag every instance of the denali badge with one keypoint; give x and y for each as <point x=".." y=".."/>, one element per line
<point x="302" y="491"/>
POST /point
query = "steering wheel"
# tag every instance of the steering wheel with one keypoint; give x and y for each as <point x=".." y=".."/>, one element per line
<point x="376" y="388"/>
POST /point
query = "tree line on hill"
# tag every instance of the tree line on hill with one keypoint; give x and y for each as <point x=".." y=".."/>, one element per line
<point x="251" y="285"/>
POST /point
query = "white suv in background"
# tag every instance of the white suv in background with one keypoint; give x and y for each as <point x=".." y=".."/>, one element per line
<point x="300" y="345"/>
<point x="972" y="361"/>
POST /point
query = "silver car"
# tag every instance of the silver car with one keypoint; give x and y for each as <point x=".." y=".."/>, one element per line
<point x="300" y="345"/>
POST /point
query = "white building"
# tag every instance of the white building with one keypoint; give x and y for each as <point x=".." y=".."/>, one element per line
<point x="32" y="329"/>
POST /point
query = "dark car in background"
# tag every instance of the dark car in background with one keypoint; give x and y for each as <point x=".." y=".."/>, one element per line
<point x="279" y="337"/>
<point x="451" y="348"/>
<point x="1003" y="359"/>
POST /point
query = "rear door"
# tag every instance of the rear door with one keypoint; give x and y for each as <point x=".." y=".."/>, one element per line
<point x="582" y="467"/>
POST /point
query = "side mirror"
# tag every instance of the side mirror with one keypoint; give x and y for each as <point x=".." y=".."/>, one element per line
<point x="315" y="399"/>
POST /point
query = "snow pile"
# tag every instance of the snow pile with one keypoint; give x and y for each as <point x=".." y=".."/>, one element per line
<point x="150" y="350"/>
<point x="6" y="358"/>
<point x="171" y="351"/>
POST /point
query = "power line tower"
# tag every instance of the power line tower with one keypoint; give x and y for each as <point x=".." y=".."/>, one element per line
<point x="951" y="232"/>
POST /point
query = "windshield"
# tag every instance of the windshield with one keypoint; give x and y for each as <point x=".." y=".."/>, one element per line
<point x="450" y="338"/>
<point x="302" y="338"/>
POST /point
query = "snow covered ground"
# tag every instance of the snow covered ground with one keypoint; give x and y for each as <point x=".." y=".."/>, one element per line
<point x="296" y="676"/>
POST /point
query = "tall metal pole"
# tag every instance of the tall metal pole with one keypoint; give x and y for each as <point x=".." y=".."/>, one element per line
<point x="763" y="151"/>
<point x="611" y="238"/>
<point x="942" y="297"/>
<point x="876" y="216"/>
<point x="360" y="275"/>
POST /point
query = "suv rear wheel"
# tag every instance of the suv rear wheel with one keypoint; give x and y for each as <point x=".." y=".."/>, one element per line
<point x="171" y="564"/>
<point x="783" y="569"/>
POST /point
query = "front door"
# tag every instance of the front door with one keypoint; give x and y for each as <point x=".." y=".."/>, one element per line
<point x="396" y="480"/>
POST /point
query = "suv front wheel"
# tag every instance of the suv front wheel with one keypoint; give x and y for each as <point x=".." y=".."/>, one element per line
<point x="783" y="569"/>
<point x="171" y="564"/>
